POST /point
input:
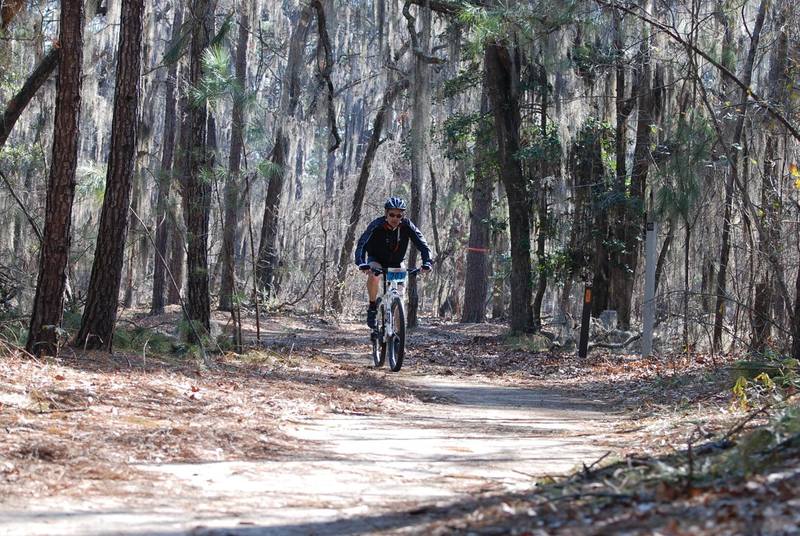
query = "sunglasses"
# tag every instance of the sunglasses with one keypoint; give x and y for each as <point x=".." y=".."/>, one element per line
<point x="394" y="215"/>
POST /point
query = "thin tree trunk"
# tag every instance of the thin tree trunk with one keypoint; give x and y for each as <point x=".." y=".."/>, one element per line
<point x="719" y="315"/>
<point x="48" y="303"/>
<point x="544" y="223"/>
<point x="630" y="225"/>
<point x="770" y="228"/>
<point x="165" y="174"/>
<point x="232" y="193"/>
<point x="20" y="101"/>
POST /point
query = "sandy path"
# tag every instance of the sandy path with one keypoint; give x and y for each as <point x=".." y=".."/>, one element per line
<point x="362" y="470"/>
<point x="360" y="473"/>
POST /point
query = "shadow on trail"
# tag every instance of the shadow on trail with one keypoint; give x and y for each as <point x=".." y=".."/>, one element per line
<point x="415" y="518"/>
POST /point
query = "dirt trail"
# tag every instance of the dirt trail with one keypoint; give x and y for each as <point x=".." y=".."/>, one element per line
<point x="359" y="473"/>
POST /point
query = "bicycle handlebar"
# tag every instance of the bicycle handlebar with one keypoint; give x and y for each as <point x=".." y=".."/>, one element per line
<point x="413" y="271"/>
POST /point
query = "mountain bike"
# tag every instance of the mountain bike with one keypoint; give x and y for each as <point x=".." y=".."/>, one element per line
<point x="389" y="336"/>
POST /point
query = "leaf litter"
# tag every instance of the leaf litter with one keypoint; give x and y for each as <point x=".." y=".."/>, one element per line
<point x="77" y="424"/>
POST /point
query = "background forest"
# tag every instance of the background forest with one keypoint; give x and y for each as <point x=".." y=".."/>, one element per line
<point x="226" y="154"/>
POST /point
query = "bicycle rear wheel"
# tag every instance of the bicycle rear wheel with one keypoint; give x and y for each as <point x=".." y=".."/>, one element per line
<point x="396" y="346"/>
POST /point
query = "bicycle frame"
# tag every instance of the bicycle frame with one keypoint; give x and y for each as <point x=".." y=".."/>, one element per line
<point x="388" y="337"/>
<point x="394" y="280"/>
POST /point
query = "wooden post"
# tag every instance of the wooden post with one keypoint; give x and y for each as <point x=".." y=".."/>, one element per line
<point x="583" y="345"/>
<point x="649" y="305"/>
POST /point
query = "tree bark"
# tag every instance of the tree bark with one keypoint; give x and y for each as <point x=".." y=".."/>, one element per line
<point x="719" y="315"/>
<point x="629" y="224"/>
<point x="232" y="194"/>
<point x="544" y="169"/>
<point x="419" y="140"/>
<point x="198" y="190"/>
<point x="48" y="303"/>
<point x="165" y="174"/>
<point x="476" y="283"/>
<point x="346" y="255"/>
<point x="502" y="71"/>
<point x="100" y="312"/>
<point x="769" y="239"/>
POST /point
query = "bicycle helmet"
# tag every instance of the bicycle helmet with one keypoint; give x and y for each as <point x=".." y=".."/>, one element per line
<point x="395" y="203"/>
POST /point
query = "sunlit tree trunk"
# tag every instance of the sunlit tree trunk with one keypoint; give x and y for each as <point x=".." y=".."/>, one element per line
<point x="48" y="303"/>
<point x="419" y="140"/>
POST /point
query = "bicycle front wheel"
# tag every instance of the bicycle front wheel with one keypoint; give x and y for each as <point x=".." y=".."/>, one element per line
<point x="397" y="344"/>
<point x="378" y="350"/>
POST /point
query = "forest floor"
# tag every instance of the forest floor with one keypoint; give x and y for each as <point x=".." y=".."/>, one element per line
<point x="478" y="433"/>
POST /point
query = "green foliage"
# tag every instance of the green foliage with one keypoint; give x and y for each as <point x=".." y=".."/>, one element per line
<point x="465" y="80"/>
<point x="541" y="147"/>
<point x="218" y="80"/>
<point x="595" y="139"/>
<point x="14" y="331"/>
<point x="765" y="378"/>
<point x="459" y="132"/>
<point x="592" y="60"/>
<point x="269" y="169"/>
<point x="529" y="343"/>
<point x="687" y="150"/>
<point x="143" y="340"/>
<point x="92" y="181"/>
<point x="526" y="21"/>
<point x="23" y="157"/>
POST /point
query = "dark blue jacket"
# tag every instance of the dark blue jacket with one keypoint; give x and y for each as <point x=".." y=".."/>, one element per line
<point x="388" y="246"/>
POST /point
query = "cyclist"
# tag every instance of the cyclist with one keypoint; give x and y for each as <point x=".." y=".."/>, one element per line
<point x="384" y="244"/>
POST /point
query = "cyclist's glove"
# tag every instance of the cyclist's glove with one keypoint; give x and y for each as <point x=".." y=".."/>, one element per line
<point x="363" y="267"/>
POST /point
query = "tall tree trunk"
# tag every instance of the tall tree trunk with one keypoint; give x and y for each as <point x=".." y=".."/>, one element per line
<point x="232" y="194"/>
<point x="165" y="173"/>
<point x="100" y="312"/>
<point x="198" y="190"/>
<point x="346" y="255"/>
<point x="419" y="139"/>
<point x="290" y="94"/>
<point x="544" y="170"/>
<point x="747" y="76"/>
<point x="476" y="283"/>
<point x="770" y="229"/>
<point x="629" y="226"/>
<point x="48" y="303"/>
<point x="502" y="71"/>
